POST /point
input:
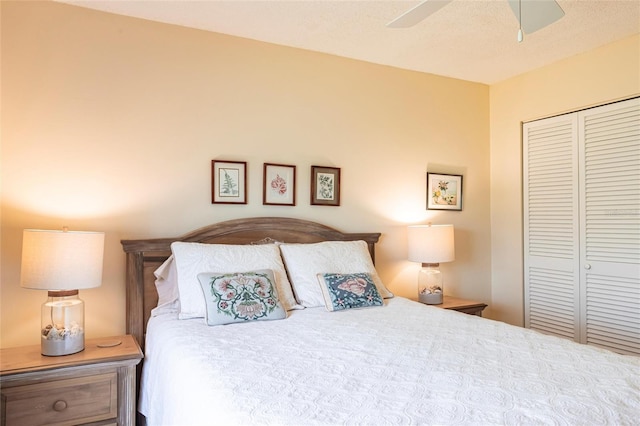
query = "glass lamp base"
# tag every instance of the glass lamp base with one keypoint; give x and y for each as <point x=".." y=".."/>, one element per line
<point x="430" y="284"/>
<point x="62" y="330"/>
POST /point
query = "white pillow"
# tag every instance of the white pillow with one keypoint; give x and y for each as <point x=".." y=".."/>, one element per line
<point x="166" y="287"/>
<point x="195" y="258"/>
<point x="305" y="261"/>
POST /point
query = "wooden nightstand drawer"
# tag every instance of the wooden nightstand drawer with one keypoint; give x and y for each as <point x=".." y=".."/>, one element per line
<point x="71" y="401"/>
<point x="95" y="386"/>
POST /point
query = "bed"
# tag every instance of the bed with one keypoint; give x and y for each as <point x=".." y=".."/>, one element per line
<point x="329" y="360"/>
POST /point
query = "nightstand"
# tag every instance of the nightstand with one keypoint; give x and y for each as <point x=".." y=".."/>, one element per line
<point x="97" y="385"/>
<point x="470" y="307"/>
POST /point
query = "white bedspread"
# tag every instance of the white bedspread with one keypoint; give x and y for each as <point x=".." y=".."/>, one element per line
<point x="404" y="363"/>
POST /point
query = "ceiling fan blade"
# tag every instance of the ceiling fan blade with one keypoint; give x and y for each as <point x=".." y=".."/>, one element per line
<point x="417" y="13"/>
<point x="536" y="14"/>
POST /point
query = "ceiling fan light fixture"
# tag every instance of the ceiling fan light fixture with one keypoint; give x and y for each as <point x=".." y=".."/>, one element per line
<point x="538" y="14"/>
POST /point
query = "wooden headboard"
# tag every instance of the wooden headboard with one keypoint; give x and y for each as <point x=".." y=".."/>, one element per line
<point x="145" y="256"/>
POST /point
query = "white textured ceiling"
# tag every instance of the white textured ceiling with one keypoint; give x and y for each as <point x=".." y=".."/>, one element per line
<point x="473" y="40"/>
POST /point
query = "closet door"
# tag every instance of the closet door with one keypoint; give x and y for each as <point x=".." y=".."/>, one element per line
<point x="609" y="158"/>
<point x="551" y="226"/>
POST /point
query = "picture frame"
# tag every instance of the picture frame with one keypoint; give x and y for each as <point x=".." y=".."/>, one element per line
<point x="228" y="182"/>
<point x="279" y="185"/>
<point x="444" y="191"/>
<point x="325" y="186"/>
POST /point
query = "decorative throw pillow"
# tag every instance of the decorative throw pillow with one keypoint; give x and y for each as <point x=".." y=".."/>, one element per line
<point x="240" y="296"/>
<point x="349" y="291"/>
<point x="305" y="261"/>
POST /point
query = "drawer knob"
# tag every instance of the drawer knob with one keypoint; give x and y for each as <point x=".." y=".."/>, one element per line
<point x="60" y="405"/>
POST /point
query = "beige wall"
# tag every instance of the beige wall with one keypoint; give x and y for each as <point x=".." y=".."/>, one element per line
<point x="603" y="75"/>
<point x="110" y="123"/>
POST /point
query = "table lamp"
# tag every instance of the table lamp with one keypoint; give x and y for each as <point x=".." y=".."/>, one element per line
<point x="431" y="245"/>
<point x="62" y="262"/>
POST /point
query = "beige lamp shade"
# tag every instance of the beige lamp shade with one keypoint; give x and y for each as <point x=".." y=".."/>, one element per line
<point x="61" y="260"/>
<point x="431" y="243"/>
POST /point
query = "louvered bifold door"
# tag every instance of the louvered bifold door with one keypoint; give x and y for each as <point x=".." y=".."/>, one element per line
<point x="551" y="226"/>
<point x="609" y="157"/>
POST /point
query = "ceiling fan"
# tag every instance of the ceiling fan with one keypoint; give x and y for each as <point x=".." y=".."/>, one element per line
<point x="532" y="15"/>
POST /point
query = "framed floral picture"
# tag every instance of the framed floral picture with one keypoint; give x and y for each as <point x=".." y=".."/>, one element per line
<point x="444" y="192"/>
<point x="325" y="186"/>
<point x="228" y="182"/>
<point x="279" y="185"/>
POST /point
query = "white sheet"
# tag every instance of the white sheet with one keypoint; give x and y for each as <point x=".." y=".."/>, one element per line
<point x="404" y="363"/>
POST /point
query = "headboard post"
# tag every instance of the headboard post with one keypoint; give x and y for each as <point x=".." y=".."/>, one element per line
<point x="135" y="295"/>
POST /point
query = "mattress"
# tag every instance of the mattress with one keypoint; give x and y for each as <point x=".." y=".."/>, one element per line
<point x="403" y="363"/>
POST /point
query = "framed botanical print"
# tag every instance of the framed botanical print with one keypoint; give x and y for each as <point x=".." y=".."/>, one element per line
<point x="279" y="185"/>
<point x="444" y="192"/>
<point x="228" y="182"/>
<point x="325" y="186"/>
